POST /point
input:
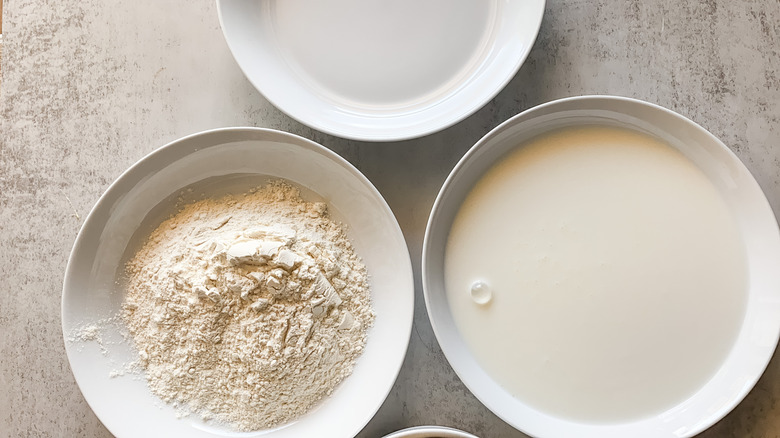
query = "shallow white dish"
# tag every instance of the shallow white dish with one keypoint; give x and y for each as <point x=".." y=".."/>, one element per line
<point x="124" y="404"/>
<point x="376" y="70"/>
<point x="758" y="335"/>
<point x="430" y="432"/>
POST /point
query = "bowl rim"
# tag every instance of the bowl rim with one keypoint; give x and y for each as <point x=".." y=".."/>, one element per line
<point x="275" y="135"/>
<point x="425" y="431"/>
<point x="530" y="114"/>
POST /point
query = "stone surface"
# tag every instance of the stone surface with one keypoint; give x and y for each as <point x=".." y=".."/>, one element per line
<point x="89" y="87"/>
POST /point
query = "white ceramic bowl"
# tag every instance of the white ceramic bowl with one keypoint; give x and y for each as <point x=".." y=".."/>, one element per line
<point x="376" y="70"/>
<point x="758" y="336"/>
<point x="430" y="432"/>
<point x="124" y="404"/>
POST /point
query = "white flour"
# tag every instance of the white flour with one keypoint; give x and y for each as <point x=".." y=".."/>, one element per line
<point x="248" y="309"/>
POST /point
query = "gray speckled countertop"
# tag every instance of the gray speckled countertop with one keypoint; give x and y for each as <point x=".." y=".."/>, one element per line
<point x="90" y="86"/>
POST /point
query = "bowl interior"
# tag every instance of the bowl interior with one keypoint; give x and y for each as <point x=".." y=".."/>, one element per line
<point x="380" y="71"/>
<point x="91" y="293"/>
<point x="759" y="333"/>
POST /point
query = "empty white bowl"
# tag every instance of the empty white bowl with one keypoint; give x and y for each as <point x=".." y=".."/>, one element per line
<point x="376" y="70"/>
<point x="758" y="335"/>
<point x="90" y="294"/>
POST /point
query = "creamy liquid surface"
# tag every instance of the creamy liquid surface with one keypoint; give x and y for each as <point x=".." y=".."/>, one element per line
<point x="379" y="53"/>
<point x="617" y="275"/>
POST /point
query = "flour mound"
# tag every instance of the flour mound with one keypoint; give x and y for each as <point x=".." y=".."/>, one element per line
<point x="248" y="309"/>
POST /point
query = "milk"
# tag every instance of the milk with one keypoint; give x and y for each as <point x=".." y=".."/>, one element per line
<point x="383" y="54"/>
<point x="597" y="275"/>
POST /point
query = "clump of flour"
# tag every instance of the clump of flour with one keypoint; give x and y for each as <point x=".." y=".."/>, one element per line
<point x="94" y="332"/>
<point x="248" y="309"/>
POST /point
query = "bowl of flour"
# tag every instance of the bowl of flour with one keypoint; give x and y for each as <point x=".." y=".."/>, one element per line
<point x="238" y="281"/>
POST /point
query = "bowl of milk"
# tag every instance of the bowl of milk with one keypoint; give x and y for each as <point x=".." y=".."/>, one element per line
<point x="600" y="266"/>
<point x="375" y="70"/>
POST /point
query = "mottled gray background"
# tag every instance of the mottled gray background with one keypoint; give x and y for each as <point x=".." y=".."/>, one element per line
<point x="90" y="86"/>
